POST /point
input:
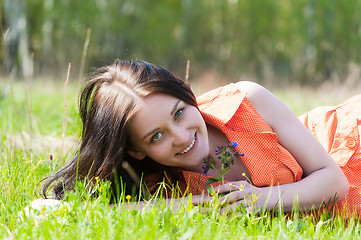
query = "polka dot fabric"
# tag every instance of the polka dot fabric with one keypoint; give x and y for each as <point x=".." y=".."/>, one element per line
<point x="267" y="162"/>
<point x="338" y="129"/>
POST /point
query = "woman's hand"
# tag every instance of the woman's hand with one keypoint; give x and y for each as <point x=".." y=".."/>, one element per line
<point x="242" y="193"/>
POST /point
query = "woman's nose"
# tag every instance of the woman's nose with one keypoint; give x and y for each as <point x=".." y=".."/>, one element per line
<point x="181" y="136"/>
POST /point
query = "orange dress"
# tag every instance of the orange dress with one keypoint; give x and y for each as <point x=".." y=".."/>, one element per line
<point x="338" y="130"/>
<point x="267" y="162"/>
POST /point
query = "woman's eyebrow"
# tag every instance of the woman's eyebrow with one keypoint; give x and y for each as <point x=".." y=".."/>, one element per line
<point x="150" y="133"/>
<point x="175" y="107"/>
<point x="157" y="129"/>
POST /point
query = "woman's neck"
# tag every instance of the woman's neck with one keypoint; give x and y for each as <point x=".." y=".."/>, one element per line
<point x="215" y="138"/>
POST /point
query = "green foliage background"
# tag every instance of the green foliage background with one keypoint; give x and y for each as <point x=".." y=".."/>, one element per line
<point x="300" y="41"/>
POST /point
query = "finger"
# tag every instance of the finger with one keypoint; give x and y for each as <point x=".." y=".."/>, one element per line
<point x="231" y="186"/>
<point x="237" y="206"/>
<point x="227" y="187"/>
<point x="241" y="207"/>
<point x="200" y="200"/>
<point x="253" y="209"/>
<point x="235" y="196"/>
<point x="227" y="198"/>
<point x="232" y="198"/>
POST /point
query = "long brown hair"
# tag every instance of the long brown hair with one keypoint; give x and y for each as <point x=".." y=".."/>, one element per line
<point x="109" y="99"/>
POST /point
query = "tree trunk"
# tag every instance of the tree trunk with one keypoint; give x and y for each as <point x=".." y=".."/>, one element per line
<point x="16" y="39"/>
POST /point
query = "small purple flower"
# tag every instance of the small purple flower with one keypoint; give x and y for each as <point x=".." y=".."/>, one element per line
<point x="225" y="155"/>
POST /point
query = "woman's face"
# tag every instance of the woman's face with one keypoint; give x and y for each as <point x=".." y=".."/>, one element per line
<point x="169" y="131"/>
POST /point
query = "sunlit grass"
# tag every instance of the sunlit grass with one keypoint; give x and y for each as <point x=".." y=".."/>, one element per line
<point x="37" y="110"/>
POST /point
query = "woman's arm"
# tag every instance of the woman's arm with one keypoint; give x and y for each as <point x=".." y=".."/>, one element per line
<point x="173" y="203"/>
<point x="322" y="177"/>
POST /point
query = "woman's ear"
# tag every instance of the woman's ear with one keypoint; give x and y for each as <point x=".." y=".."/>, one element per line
<point x="136" y="154"/>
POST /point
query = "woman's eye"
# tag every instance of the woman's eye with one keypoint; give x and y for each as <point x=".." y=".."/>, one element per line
<point x="156" y="137"/>
<point x="178" y="113"/>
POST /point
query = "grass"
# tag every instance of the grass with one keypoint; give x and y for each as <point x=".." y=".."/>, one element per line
<point x="31" y="120"/>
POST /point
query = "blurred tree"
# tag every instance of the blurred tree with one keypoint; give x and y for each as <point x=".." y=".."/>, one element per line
<point x="16" y="38"/>
<point x="272" y="41"/>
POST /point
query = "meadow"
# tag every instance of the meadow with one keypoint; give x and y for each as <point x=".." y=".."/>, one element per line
<point x="38" y="134"/>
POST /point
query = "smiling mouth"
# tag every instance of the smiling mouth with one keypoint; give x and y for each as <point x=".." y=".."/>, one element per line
<point x="189" y="147"/>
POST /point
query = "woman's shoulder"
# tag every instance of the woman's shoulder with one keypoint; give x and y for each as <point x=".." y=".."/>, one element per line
<point x="267" y="105"/>
<point x="233" y="94"/>
<point x="226" y="95"/>
<point x="253" y="90"/>
<point x="242" y="87"/>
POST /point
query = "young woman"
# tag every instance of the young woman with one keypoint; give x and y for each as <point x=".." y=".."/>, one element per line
<point x="140" y="121"/>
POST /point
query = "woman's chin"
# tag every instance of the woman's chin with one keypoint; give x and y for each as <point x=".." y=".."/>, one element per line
<point x="195" y="168"/>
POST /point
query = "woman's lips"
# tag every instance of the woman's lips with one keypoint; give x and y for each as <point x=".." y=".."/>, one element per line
<point x="189" y="147"/>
